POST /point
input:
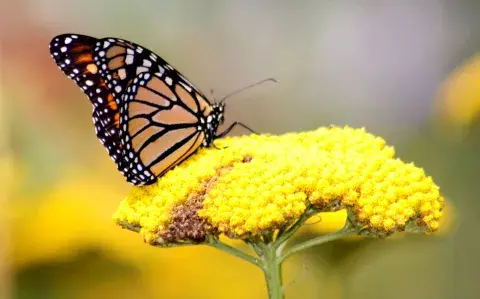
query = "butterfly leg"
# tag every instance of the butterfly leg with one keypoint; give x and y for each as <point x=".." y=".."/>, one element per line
<point x="216" y="147"/>
<point x="228" y="131"/>
<point x="233" y="126"/>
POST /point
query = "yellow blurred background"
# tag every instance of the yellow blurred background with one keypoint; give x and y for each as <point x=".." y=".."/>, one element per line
<point x="406" y="70"/>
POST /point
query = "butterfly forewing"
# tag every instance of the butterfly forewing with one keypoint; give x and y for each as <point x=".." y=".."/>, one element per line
<point x="73" y="53"/>
<point x="120" y="61"/>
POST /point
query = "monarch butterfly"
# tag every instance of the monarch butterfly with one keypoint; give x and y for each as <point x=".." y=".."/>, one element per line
<point x="148" y="116"/>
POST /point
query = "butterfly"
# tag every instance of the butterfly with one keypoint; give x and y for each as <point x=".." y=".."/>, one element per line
<point x="147" y="115"/>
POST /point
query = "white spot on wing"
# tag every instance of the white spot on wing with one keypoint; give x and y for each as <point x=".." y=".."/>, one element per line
<point x="63" y="49"/>
<point x="147" y="63"/>
<point x="129" y="59"/>
<point x="168" y="80"/>
<point x="141" y="69"/>
<point x="186" y="80"/>
<point x="161" y="70"/>
<point x="186" y="86"/>
<point x="122" y="73"/>
<point x="68" y="40"/>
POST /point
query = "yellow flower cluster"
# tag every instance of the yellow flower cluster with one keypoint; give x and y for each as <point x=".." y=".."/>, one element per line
<point x="259" y="183"/>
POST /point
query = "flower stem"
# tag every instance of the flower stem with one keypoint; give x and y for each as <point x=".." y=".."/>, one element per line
<point x="269" y="251"/>
<point x="269" y="262"/>
<point x="317" y="241"/>
<point x="284" y="235"/>
<point x="272" y="271"/>
<point x="214" y="242"/>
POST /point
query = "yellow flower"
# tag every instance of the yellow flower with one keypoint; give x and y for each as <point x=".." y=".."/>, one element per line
<point x="459" y="98"/>
<point x="256" y="184"/>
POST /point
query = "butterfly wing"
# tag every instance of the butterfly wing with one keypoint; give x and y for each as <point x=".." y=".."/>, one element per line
<point x="161" y="120"/>
<point x="73" y="54"/>
<point x="120" y="61"/>
<point x="160" y="125"/>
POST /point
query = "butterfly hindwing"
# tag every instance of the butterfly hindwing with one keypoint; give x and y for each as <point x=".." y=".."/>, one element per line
<point x="158" y="129"/>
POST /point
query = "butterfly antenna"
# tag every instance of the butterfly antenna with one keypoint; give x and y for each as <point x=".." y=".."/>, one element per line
<point x="247" y="87"/>
<point x="213" y="96"/>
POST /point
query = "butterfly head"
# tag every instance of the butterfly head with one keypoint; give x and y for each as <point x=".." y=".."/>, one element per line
<point x="218" y="111"/>
<point x="213" y="121"/>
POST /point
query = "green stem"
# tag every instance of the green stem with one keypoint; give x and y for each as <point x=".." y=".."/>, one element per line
<point x="270" y="257"/>
<point x="272" y="271"/>
<point x="285" y="235"/>
<point x="317" y="241"/>
<point x="269" y="262"/>
<point x="214" y="242"/>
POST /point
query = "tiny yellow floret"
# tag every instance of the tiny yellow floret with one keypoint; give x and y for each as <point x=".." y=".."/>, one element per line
<point x="254" y="184"/>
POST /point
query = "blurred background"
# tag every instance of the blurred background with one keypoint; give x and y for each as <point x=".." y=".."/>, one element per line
<point x="406" y="70"/>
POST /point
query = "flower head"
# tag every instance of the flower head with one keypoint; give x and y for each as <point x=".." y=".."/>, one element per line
<point x="458" y="100"/>
<point x="257" y="184"/>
